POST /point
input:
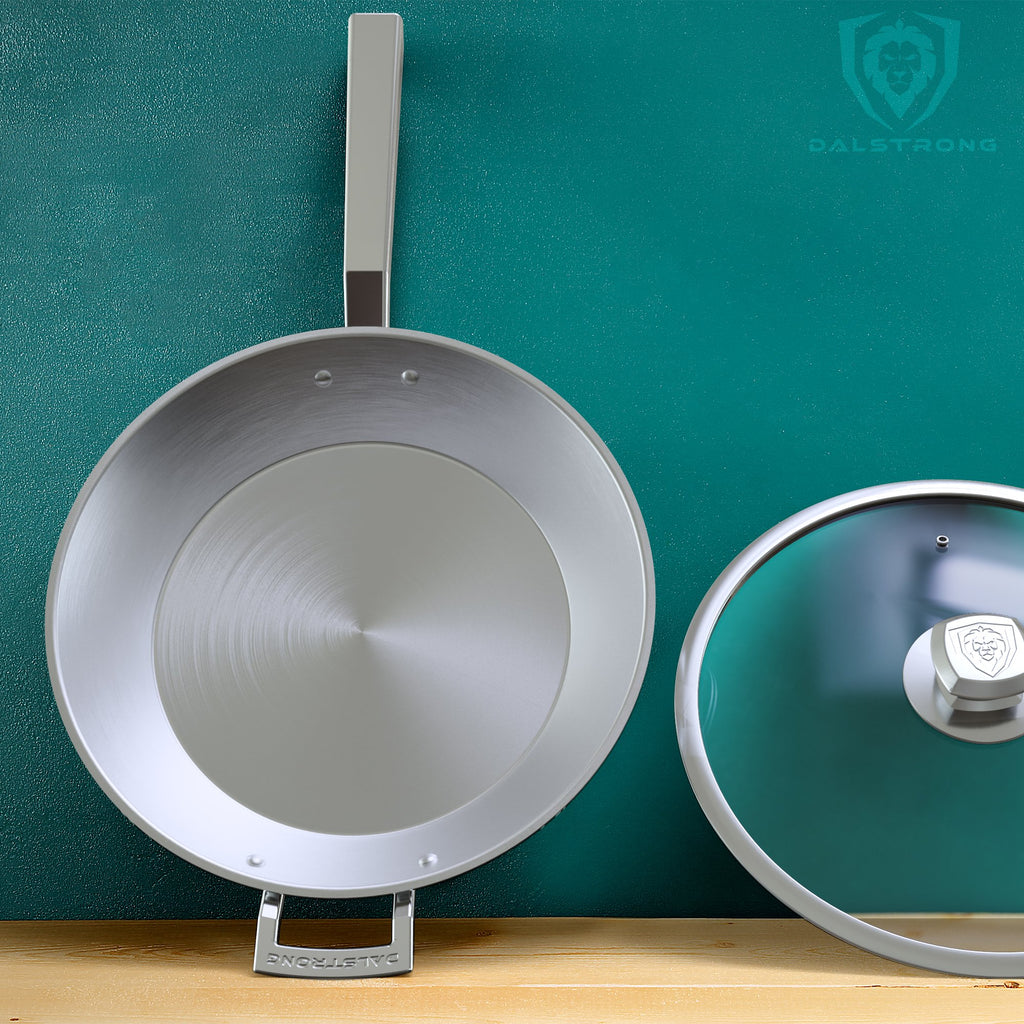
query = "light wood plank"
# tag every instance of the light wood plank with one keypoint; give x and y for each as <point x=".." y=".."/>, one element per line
<point x="478" y="971"/>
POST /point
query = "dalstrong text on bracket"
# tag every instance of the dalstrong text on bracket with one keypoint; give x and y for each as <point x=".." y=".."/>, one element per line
<point x="322" y="963"/>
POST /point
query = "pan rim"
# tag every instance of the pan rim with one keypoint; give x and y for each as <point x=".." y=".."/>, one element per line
<point x="427" y="874"/>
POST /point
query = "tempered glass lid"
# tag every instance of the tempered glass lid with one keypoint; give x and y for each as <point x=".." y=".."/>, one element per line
<point x="850" y="716"/>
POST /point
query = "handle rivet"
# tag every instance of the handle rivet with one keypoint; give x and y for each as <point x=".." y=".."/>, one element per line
<point x="941" y="542"/>
<point x="323" y="378"/>
<point x="410" y="377"/>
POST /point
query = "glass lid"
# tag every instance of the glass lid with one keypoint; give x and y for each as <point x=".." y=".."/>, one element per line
<point x="850" y="716"/>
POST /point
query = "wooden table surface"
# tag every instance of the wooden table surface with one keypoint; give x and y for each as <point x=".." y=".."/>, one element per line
<point x="479" y="971"/>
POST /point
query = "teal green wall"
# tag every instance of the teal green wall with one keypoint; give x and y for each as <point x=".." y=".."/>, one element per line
<point x="619" y="197"/>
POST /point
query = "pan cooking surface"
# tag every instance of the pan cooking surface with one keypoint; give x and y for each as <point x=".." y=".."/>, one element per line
<point x="361" y="638"/>
<point x="316" y="639"/>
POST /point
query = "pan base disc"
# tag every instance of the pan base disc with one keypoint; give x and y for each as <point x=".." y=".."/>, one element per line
<point x="361" y="638"/>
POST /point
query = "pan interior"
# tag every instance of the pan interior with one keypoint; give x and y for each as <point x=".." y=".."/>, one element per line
<point x="361" y="638"/>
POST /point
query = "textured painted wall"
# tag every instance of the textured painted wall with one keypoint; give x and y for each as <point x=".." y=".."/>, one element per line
<point x="671" y="212"/>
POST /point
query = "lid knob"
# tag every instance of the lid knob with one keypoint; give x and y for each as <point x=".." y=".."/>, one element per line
<point x="979" y="661"/>
<point x="965" y="677"/>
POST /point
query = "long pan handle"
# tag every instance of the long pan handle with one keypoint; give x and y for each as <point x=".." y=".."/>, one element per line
<point x="375" y="46"/>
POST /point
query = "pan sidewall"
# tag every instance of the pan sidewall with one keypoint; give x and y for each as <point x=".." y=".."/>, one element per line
<point x="467" y="404"/>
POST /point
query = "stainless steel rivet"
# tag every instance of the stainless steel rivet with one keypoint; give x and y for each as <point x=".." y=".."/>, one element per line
<point x="941" y="542"/>
<point x="410" y="377"/>
<point x="428" y="861"/>
<point x="323" y="378"/>
<point x="254" y="860"/>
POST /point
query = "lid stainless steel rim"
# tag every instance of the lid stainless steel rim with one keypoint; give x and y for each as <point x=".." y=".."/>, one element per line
<point x="775" y="879"/>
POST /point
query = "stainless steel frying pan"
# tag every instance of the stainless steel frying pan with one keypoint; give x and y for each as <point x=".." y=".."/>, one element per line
<point x="355" y="610"/>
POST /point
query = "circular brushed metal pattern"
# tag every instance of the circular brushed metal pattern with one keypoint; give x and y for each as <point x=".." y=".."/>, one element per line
<point x="512" y="446"/>
<point x="361" y="638"/>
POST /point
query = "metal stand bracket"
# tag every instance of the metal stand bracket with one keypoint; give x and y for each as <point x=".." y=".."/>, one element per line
<point x="302" y="962"/>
